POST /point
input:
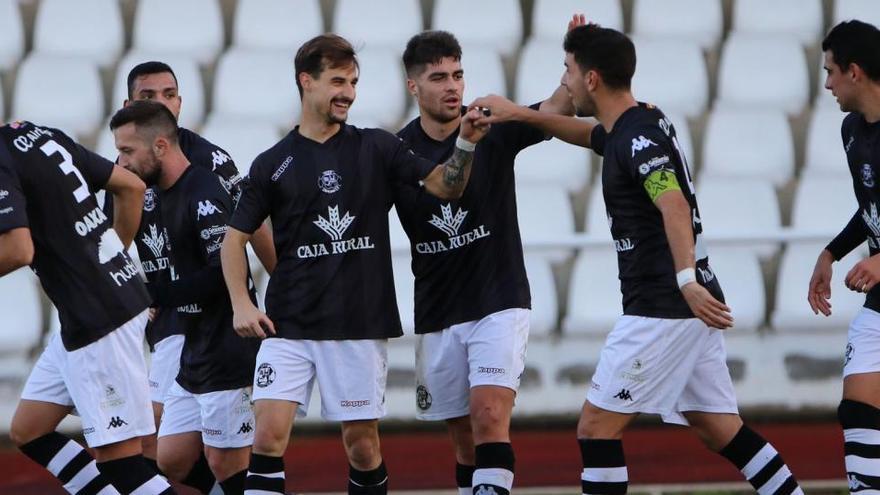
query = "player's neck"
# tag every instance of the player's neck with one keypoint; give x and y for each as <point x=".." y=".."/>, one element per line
<point x="316" y="127"/>
<point x="612" y="106"/>
<point x="871" y="105"/>
<point x="436" y="130"/>
<point x="173" y="167"/>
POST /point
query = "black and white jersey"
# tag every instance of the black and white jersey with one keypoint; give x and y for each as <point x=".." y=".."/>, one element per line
<point x="641" y="157"/>
<point x="152" y="250"/>
<point x="861" y="142"/>
<point x="47" y="184"/>
<point x="329" y="206"/>
<point x="467" y="254"/>
<point x="193" y="215"/>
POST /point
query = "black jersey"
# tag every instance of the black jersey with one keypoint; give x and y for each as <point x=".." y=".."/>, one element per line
<point x="467" y="254"/>
<point x="861" y="142"/>
<point x="193" y="213"/>
<point x="639" y="154"/>
<point x="152" y="248"/>
<point x="329" y="206"/>
<point x="47" y="184"/>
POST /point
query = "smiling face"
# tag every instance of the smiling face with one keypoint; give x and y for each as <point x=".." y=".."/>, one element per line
<point x="332" y="93"/>
<point x="439" y="89"/>
<point x="578" y="85"/>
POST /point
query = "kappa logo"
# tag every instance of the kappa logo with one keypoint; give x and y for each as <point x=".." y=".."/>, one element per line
<point x="848" y="353"/>
<point x="450" y="223"/>
<point x="154" y="240"/>
<point x="245" y="428"/>
<point x="265" y="375"/>
<point x="855" y="483"/>
<point x="623" y="395"/>
<point x="333" y="225"/>
<point x="116" y="422"/>
<point x="149" y="199"/>
<point x="219" y="158"/>
<point x="206" y="208"/>
<point x="640" y="143"/>
<point x="329" y="181"/>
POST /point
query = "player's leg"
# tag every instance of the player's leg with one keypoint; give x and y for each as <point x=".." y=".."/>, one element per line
<point x="181" y="454"/>
<point x="443" y="393"/>
<point x="367" y="474"/>
<point x="228" y="433"/>
<point x="496" y="349"/>
<point x="709" y="404"/>
<point x="178" y="453"/>
<point x="859" y="410"/>
<point x="600" y="438"/>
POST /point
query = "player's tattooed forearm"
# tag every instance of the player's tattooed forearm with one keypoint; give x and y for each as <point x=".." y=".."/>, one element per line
<point x="454" y="169"/>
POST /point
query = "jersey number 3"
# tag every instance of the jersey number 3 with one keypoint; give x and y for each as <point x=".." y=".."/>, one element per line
<point x="50" y="148"/>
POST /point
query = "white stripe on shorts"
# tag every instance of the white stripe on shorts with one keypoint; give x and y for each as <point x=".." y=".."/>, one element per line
<point x="605" y="475"/>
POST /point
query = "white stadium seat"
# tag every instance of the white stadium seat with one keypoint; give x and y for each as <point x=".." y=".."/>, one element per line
<point x="825" y="154"/>
<point x="594" y="299"/>
<point x="739" y="207"/>
<point x="483" y="73"/>
<point x="770" y="151"/>
<point x="545" y="304"/>
<point x="823" y="204"/>
<point x="73" y="103"/>
<point x="359" y="22"/>
<point x="193" y="28"/>
<point x="550" y="17"/>
<point x="785" y="83"/>
<point x="22" y="311"/>
<point x="279" y="24"/>
<point x="243" y="140"/>
<point x="539" y="72"/>
<point x="189" y="84"/>
<point x="11" y="34"/>
<point x="86" y="28"/>
<point x="696" y="20"/>
<point x="404" y="288"/>
<point x="544" y="214"/>
<point x="801" y="19"/>
<point x="106" y="145"/>
<point x="686" y="93"/>
<point x="683" y="134"/>
<point x="381" y="89"/>
<point x="496" y="24"/>
<point x="271" y="98"/>
<point x="554" y="163"/>
<point x="793" y="313"/>
<point x="863" y="10"/>
<point x="597" y="215"/>
<point x="741" y="279"/>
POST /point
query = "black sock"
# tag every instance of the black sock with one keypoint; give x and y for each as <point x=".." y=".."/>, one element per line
<point x="132" y="473"/>
<point x="861" y="435"/>
<point x="67" y="461"/>
<point x="373" y="482"/>
<point x="265" y="473"/>
<point x="604" y="467"/>
<point x="760" y="463"/>
<point x="200" y="476"/>
<point x="464" y="477"/>
<point x="234" y="485"/>
<point x="494" y="469"/>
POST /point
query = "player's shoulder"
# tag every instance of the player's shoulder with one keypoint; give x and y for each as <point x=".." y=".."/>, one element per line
<point x="278" y="156"/>
<point x="23" y="134"/>
<point x="200" y="150"/>
<point x="408" y="132"/>
<point x="851" y="122"/>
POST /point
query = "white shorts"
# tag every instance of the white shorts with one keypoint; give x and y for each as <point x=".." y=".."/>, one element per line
<point x="224" y="418"/>
<point x="351" y="375"/>
<point x="106" y="381"/>
<point x="489" y="351"/>
<point x="665" y="367"/>
<point x="164" y="366"/>
<point x="862" y="354"/>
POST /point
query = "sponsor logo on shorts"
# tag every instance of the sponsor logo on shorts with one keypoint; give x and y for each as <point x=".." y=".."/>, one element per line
<point x="113" y="398"/>
<point x="354" y="403"/>
<point x="116" y="422"/>
<point x="245" y="428"/>
<point x="624" y="395"/>
<point x="491" y="371"/>
<point x="154" y="384"/>
<point x="595" y="386"/>
<point x="848" y="353"/>
<point x="244" y="406"/>
<point x="211" y="432"/>
<point x="423" y="398"/>
<point x="89" y="430"/>
<point x="265" y="375"/>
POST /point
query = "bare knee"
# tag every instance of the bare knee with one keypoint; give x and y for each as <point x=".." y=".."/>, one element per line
<point x="714" y="430"/>
<point x="227" y="462"/>
<point x="490" y="413"/>
<point x="361" y="440"/>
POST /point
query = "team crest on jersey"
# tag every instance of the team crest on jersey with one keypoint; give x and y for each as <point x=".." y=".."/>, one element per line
<point x="265" y="375"/>
<point x="149" y="199"/>
<point x="329" y="181"/>
<point x="868" y="175"/>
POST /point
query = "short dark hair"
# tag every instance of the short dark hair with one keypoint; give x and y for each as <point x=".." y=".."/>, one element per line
<point x="321" y="52"/>
<point x="606" y="51"/>
<point x="429" y="47"/>
<point x="855" y="42"/>
<point x="146" y="69"/>
<point x="147" y="114"/>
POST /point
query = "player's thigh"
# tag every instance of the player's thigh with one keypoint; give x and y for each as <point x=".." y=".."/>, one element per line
<point x="491" y="408"/>
<point x="863" y="387"/>
<point x="274" y="420"/>
<point x="33" y="419"/>
<point x="177" y="453"/>
<point x="861" y="369"/>
<point x="598" y="423"/>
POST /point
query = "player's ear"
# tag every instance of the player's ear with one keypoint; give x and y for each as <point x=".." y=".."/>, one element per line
<point x="305" y="80"/>
<point x="125" y="103"/>
<point x="160" y="146"/>
<point x="412" y="88"/>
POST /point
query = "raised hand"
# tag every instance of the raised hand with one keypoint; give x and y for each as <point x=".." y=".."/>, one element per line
<point x="577" y="20"/>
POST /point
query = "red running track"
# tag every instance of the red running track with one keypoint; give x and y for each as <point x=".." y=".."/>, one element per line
<point x="424" y="460"/>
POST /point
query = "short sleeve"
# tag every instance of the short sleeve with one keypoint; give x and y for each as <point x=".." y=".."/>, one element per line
<point x="211" y="211"/>
<point x="402" y="163"/>
<point x="649" y="160"/>
<point x="13" y="212"/>
<point x="226" y="169"/>
<point x="253" y="204"/>
<point x="598" y="136"/>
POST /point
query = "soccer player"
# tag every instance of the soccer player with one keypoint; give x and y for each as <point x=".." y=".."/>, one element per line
<point x="852" y="62"/>
<point x="210" y="401"/>
<point x="156" y="81"/>
<point x="666" y="353"/>
<point x="327" y="187"/>
<point x="50" y="219"/>
<point x="471" y="340"/>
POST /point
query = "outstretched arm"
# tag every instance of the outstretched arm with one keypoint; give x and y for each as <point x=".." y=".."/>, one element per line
<point x="448" y="180"/>
<point x="569" y="129"/>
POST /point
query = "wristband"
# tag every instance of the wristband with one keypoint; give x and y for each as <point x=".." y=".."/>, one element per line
<point x="685" y="277"/>
<point x="464" y="144"/>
